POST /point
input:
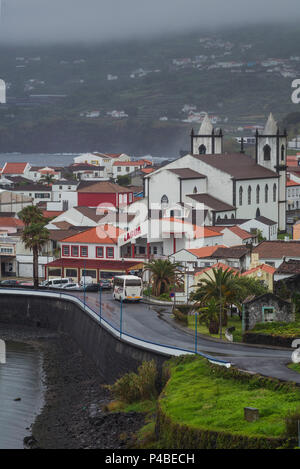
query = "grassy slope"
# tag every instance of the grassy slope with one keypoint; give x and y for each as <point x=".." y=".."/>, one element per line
<point x="194" y="396"/>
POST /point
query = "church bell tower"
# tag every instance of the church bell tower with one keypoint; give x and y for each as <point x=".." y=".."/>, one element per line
<point x="271" y="152"/>
<point x="207" y="141"/>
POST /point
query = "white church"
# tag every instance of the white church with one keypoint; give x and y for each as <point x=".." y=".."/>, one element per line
<point x="229" y="185"/>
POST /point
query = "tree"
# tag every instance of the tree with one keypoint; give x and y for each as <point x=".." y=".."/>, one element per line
<point x="124" y="180"/>
<point x="163" y="275"/>
<point x="222" y="285"/>
<point x="47" y="179"/>
<point x="209" y="315"/>
<point x="34" y="236"/>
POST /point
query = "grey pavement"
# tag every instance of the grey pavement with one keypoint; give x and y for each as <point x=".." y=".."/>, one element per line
<point x="154" y="324"/>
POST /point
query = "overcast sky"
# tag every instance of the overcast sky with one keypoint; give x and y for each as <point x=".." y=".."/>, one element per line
<point x="71" y="20"/>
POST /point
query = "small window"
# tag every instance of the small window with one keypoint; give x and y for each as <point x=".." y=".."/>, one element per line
<point x="109" y="252"/>
<point x="241" y="196"/>
<point x="99" y="252"/>
<point x="249" y="195"/>
<point x="282" y="153"/>
<point x="75" y="253"/>
<point x="83" y="251"/>
<point x="266" y="193"/>
<point x="202" y="150"/>
<point x="267" y="153"/>
<point x="66" y="251"/>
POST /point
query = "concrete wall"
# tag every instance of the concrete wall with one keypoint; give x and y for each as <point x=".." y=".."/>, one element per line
<point x="113" y="356"/>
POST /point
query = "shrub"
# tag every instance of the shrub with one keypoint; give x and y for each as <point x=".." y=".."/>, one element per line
<point x="133" y="387"/>
<point x="180" y="316"/>
<point x="292" y="425"/>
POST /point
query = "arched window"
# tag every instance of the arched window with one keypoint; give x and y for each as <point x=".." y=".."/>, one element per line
<point x="241" y="196"/>
<point x="274" y="193"/>
<point x="267" y="153"/>
<point x="202" y="150"/>
<point x="257" y="194"/>
<point x="257" y="213"/>
<point x="195" y="190"/>
<point x="232" y="216"/>
<point x="266" y="194"/>
<point x="249" y="195"/>
<point x="226" y="217"/>
<point x="164" y="201"/>
<point x="282" y="152"/>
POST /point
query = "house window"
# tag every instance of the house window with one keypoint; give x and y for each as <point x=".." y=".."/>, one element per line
<point x="241" y="196"/>
<point x="268" y="314"/>
<point x="282" y="153"/>
<point x="74" y="253"/>
<point x="249" y="195"/>
<point x="164" y="201"/>
<point x="83" y="251"/>
<point x="119" y="169"/>
<point x="267" y="153"/>
<point x="66" y="251"/>
<point x="71" y="273"/>
<point x="266" y="193"/>
<point x="257" y="194"/>
<point x="195" y="190"/>
<point x="89" y="273"/>
<point x="99" y="252"/>
<point x="127" y="169"/>
<point x="110" y="252"/>
<point x="202" y="150"/>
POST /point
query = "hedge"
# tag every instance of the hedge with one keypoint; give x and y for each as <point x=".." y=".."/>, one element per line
<point x="267" y="339"/>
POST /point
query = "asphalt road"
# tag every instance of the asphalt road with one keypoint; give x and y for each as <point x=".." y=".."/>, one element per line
<point x="155" y="324"/>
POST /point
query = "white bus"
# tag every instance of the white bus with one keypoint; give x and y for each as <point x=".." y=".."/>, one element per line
<point x="127" y="287"/>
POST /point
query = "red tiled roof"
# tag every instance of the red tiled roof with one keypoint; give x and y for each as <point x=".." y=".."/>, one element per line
<point x="147" y="170"/>
<point x="129" y="163"/>
<point x="243" y="234"/>
<point x="264" y="267"/>
<point x="14" y="168"/>
<point x="51" y="213"/>
<point x="218" y="265"/>
<point x="278" y="249"/>
<point x="106" y="234"/>
<point x="292" y="183"/>
<point x="206" y="251"/>
<point x="11" y="222"/>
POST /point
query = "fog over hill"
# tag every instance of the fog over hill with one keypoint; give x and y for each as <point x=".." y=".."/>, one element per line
<point x="104" y="20"/>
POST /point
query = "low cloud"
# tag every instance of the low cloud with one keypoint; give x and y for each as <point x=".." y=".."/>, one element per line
<point x="101" y="20"/>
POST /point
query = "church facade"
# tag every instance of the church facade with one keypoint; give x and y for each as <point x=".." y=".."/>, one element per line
<point x="229" y="185"/>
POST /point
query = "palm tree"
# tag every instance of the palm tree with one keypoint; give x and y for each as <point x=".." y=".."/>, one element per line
<point x="223" y="286"/>
<point x="163" y="275"/>
<point x="47" y="179"/>
<point x="34" y="236"/>
<point x="209" y="315"/>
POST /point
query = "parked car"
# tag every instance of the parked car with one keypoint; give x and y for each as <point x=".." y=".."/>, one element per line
<point x="25" y="284"/>
<point x="9" y="283"/>
<point x="105" y="284"/>
<point x="71" y="286"/>
<point x="56" y="282"/>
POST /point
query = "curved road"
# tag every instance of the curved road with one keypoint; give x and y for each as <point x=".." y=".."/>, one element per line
<point x="154" y="324"/>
